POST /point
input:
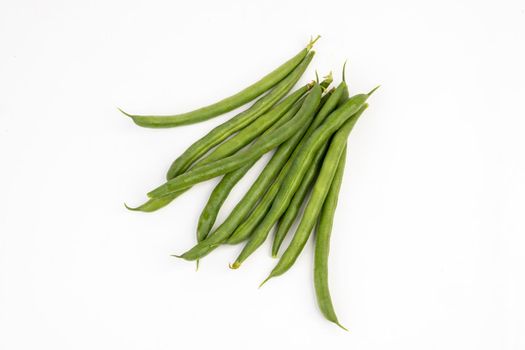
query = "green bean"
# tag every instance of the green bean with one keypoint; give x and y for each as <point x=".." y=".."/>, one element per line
<point x="228" y="164"/>
<point x="296" y="203"/>
<point x="246" y="228"/>
<point x="249" y="133"/>
<point x="248" y="201"/>
<point x="319" y="192"/>
<point x="245" y="205"/>
<point x="299" y="197"/>
<point x="229" y="147"/>
<point x="228" y="103"/>
<point x="322" y="245"/>
<point x="223" y="131"/>
<point x="223" y="188"/>
<point x="243" y="137"/>
<point x="299" y="166"/>
<point x="253" y="130"/>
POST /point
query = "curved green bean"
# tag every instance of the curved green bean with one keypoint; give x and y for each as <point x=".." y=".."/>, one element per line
<point x="299" y="166"/>
<point x="319" y="192"/>
<point x="223" y="131"/>
<point x="245" y="205"/>
<point x="229" y="147"/>
<point x="296" y="203"/>
<point x="224" y="187"/>
<point x="227" y="104"/>
<point x="322" y="245"/>
<point x="246" y="228"/>
<point x="260" y="147"/>
<point x="299" y="197"/>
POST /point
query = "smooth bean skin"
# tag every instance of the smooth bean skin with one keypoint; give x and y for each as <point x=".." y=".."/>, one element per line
<point x="299" y="197"/>
<point x="241" y="120"/>
<point x="246" y="228"/>
<point x="322" y="245"/>
<point x="319" y="192"/>
<point x="297" y="201"/>
<point x="299" y="166"/>
<point x="306" y="154"/>
<point x="217" y="198"/>
<point x="245" y="205"/>
<point x="234" y="143"/>
<point x="250" y="132"/>
<point x="154" y="204"/>
<point x="230" y="145"/>
<point x="260" y="147"/>
<point x="224" y="187"/>
<point x="242" y="97"/>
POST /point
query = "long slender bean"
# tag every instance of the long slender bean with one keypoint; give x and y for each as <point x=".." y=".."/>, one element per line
<point x="223" y="131"/>
<point x="299" y="197"/>
<point x="229" y="147"/>
<point x="299" y="166"/>
<point x="253" y="130"/>
<point x="319" y="192"/>
<point x="322" y="245"/>
<point x="223" y="188"/>
<point x="287" y="220"/>
<point x="263" y="145"/>
<point x="245" y="205"/>
<point x="246" y="228"/>
<point x="227" y="104"/>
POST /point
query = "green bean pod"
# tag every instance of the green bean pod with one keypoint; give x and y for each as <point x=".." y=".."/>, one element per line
<point x="238" y="141"/>
<point x="299" y="166"/>
<point x="245" y="205"/>
<point x="319" y="192"/>
<point x="224" y="187"/>
<point x="249" y="133"/>
<point x="246" y="135"/>
<point x="299" y="197"/>
<point x="229" y="146"/>
<point x="249" y="200"/>
<point x="246" y="228"/>
<point x="241" y="120"/>
<point x="322" y="245"/>
<point x="297" y="201"/>
<point x="260" y="147"/>
<point x="242" y="97"/>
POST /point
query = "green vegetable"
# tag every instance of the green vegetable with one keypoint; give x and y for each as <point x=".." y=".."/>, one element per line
<point x="262" y="146"/>
<point x="223" y="188"/>
<point x="227" y="104"/>
<point x="322" y="244"/>
<point x="319" y="192"/>
<point x="299" y="167"/>
<point x="227" y="148"/>
<point x="246" y="228"/>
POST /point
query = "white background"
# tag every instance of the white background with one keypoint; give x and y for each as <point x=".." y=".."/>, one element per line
<point x="429" y="235"/>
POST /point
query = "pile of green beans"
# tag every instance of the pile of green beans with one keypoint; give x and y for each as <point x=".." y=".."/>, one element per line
<point x="307" y="132"/>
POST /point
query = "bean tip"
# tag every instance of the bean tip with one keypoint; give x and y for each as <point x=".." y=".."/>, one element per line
<point x="266" y="280"/>
<point x="344" y="71"/>
<point x="178" y="256"/>
<point x="129" y="208"/>
<point x="235" y="265"/>
<point x="341" y="326"/>
<point x="312" y="42"/>
<point x="124" y="112"/>
<point x="373" y="90"/>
